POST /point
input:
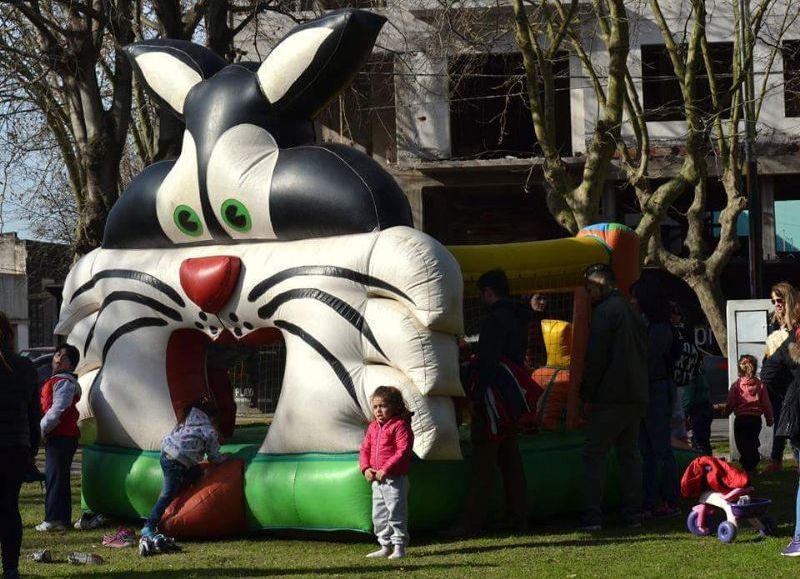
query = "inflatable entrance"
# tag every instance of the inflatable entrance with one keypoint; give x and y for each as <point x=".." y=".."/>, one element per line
<point x="255" y="234"/>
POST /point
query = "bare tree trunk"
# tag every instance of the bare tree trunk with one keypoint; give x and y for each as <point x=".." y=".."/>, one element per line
<point x="573" y="206"/>
<point x="712" y="302"/>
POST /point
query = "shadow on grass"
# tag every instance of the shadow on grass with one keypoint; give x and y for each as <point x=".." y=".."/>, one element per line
<point x="266" y="572"/>
<point x="593" y="541"/>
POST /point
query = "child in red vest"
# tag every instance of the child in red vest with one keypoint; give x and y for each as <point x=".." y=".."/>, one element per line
<point x="748" y="400"/>
<point x="59" y="426"/>
<point x="385" y="458"/>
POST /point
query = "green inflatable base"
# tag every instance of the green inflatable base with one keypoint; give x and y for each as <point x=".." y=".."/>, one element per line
<point x="317" y="491"/>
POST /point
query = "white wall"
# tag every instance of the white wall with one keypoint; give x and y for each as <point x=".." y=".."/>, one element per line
<point x="772" y="127"/>
<point x="423" y="107"/>
<point x="14" y="285"/>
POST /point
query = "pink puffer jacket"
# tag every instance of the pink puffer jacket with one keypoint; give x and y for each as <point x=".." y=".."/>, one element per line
<point x="388" y="446"/>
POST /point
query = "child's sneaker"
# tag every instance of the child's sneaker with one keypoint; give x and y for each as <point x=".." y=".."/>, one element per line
<point x="121" y="539"/>
<point x="146" y="546"/>
<point x="398" y="553"/>
<point x="382" y="552"/>
<point x="793" y="548"/>
<point x="164" y="544"/>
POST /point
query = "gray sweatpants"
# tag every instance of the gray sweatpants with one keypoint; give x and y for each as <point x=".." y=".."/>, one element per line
<point x="390" y="510"/>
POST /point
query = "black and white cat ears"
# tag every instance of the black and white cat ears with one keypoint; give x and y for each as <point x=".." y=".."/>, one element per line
<point x="306" y="69"/>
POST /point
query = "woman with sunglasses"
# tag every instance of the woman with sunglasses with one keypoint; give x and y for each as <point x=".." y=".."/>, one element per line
<point x="785" y="319"/>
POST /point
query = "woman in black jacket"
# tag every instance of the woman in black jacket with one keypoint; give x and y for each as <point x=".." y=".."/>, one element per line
<point x="781" y="374"/>
<point x="19" y="434"/>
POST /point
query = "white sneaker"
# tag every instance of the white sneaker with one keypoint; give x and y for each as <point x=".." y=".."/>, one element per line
<point x="398" y="553"/>
<point x="48" y="526"/>
<point x="382" y="552"/>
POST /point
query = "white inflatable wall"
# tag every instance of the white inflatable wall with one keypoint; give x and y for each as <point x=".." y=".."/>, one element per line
<point x="391" y="321"/>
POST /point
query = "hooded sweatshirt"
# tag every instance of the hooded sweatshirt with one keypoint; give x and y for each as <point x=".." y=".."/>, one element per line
<point x="748" y="397"/>
<point x="190" y="441"/>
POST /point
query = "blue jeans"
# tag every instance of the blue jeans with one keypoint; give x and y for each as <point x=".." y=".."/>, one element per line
<point x="59" y="451"/>
<point x="655" y="444"/>
<point x="176" y="478"/>
<point x="796" y="453"/>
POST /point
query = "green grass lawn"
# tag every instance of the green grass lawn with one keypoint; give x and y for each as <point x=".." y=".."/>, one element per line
<point x="660" y="549"/>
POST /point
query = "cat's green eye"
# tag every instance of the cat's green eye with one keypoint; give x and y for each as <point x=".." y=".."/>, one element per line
<point x="236" y="215"/>
<point x="187" y="220"/>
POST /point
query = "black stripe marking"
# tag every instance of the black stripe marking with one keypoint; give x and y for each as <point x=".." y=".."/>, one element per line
<point x="128" y="328"/>
<point x="337" y="305"/>
<point x="130" y="297"/>
<point x="134" y="275"/>
<point x="324" y="270"/>
<point x="333" y="361"/>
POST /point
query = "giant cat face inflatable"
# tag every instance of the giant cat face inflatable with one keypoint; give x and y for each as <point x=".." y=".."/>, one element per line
<point x="252" y="231"/>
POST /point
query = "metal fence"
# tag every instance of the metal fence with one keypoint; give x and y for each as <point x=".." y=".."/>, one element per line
<point x="256" y="374"/>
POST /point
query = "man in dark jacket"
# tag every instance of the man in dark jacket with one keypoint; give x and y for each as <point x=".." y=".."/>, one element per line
<point x="615" y="389"/>
<point x="19" y="433"/>
<point x="504" y="333"/>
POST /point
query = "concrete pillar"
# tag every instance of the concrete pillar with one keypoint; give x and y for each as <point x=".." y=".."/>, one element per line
<point x="22" y="335"/>
<point x="414" y="194"/>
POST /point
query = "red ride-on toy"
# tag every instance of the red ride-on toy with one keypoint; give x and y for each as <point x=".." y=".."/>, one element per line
<point x="722" y="513"/>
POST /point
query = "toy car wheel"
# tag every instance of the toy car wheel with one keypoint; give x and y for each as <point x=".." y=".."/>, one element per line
<point x="692" y="525"/>
<point x="726" y="532"/>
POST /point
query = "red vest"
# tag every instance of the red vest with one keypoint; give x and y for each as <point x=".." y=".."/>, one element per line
<point x="68" y="425"/>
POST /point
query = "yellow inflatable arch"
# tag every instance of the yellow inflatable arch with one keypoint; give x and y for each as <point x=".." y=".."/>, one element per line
<point x="557" y="266"/>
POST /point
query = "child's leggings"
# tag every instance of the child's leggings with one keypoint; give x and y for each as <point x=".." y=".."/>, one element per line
<point x="390" y="510"/>
<point x="746" y="430"/>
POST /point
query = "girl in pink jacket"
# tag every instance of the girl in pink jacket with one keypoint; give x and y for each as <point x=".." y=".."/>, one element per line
<point x="384" y="459"/>
<point x="748" y="400"/>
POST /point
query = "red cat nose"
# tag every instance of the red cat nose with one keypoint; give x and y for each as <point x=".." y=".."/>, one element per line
<point x="210" y="281"/>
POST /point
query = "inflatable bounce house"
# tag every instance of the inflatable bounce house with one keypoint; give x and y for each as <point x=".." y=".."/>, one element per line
<point x="257" y="234"/>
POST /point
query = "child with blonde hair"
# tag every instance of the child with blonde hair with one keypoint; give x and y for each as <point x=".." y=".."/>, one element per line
<point x="748" y="400"/>
<point x="385" y="458"/>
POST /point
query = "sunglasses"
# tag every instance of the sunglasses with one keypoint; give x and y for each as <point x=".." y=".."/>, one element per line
<point x="776" y="301"/>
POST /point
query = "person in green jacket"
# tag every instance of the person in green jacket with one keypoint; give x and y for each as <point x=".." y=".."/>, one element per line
<point x="614" y="391"/>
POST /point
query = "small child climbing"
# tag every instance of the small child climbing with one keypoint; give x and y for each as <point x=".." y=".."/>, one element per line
<point x="385" y="459"/>
<point x="181" y="451"/>
<point x="748" y="400"/>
